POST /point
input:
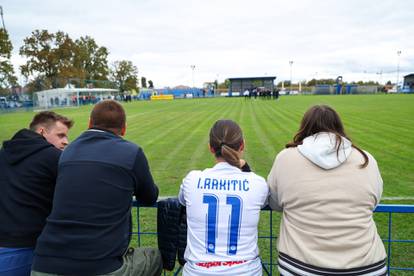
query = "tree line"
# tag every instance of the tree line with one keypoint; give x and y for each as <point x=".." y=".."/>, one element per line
<point x="55" y="59"/>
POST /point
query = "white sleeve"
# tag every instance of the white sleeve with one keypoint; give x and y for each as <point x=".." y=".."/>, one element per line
<point x="265" y="192"/>
<point x="181" y="197"/>
<point x="273" y="191"/>
<point x="184" y="186"/>
<point x="380" y="183"/>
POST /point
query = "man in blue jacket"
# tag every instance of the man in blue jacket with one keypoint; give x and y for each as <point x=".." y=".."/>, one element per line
<point x="89" y="228"/>
<point x="28" y="170"/>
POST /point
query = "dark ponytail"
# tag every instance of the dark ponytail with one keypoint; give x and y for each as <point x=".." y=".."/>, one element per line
<point x="226" y="138"/>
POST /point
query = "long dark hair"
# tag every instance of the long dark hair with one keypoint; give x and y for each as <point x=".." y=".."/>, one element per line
<point x="226" y="137"/>
<point x="323" y="118"/>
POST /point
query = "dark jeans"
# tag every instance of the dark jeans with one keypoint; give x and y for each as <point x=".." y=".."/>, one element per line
<point x="15" y="261"/>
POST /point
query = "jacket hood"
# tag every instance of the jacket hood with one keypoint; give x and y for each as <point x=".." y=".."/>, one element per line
<point x="320" y="149"/>
<point x="23" y="144"/>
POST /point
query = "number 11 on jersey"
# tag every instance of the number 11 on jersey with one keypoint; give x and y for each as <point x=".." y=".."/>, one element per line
<point x="211" y="222"/>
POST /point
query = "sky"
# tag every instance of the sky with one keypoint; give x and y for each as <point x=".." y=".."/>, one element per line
<point x="355" y="39"/>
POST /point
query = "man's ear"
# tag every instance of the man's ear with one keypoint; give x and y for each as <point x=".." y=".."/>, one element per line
<point x="40" y="130"/>
<point x="123" y="130"/>
<point x="90" y="123"/>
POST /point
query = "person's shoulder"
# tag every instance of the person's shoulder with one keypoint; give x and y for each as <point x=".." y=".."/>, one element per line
<point x="191" y="177"/>
<point x="193" y="174"/>
<point x="287" y="153"/>
<point x="371" y="159"/>
<point x="131" y="145"/>
<point x="128" y="146"/>
<point x="51" y="152"/>
<point x="49" y="156"/>
<point x="370" y="156"/>
<point x="358" y="157"/>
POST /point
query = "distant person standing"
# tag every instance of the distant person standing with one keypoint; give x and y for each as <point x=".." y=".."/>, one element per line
<point x="255" y="93"/>
<point x="246" y="94"/>
<point x="28" y="171"/>
<point x="327" y="227"/>
<point x="89" y="229"/>
<point x="275" y="93"/>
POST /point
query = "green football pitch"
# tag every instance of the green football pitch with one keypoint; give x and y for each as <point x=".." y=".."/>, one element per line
<point x="174" y="136"/>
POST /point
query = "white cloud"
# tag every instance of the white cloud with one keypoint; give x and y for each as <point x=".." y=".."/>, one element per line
<point x="355" y="39"/>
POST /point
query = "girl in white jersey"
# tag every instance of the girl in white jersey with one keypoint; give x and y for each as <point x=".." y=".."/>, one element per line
<point x="223" y="206"/>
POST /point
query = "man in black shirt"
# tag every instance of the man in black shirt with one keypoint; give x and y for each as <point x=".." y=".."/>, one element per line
<point x="89" y="228"/>
<point x="28" y="170"/>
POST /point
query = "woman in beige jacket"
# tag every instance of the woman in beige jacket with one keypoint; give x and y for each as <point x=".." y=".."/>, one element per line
<point x="327" y="189"/>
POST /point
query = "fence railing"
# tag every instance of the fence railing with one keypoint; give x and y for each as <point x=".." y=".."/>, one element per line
<point x="270" y="263"/>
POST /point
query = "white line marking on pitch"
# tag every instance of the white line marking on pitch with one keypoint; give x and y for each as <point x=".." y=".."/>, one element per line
<point x="398" y="198"/>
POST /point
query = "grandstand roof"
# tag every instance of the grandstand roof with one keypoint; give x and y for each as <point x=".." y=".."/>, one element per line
<point x="254" y="78"/>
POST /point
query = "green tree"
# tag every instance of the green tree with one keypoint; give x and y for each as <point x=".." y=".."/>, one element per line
<point x="286" y="83"/>
<point x="225" y="84"/>
<point x="49" y="55"/>
<point x="125" y="74"/>
<point x="143" y="82"/>
<point x="90" y="60"/>
<point x="150" y="84"/>
<point x="312" y="82"/>
<point x="7" y="77"/>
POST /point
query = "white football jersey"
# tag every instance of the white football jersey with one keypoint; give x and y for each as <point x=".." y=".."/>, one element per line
<point x="223" y="208"/>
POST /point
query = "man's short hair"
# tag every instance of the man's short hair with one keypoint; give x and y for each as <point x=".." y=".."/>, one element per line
<point x="108" y="115"/>
<point x="47" y="119"/>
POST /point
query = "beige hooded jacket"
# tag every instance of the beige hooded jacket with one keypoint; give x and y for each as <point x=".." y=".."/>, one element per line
<point x="327" y="202"/>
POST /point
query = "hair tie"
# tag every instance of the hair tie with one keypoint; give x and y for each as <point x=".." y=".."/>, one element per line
<point x="222" y="144"/>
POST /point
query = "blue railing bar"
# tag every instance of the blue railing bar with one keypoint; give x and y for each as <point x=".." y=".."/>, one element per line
<point x="381" y="208"/>
<point x="394" y="208"/>
<point x="145" y="233"/>
<point x="156" y="233"/>
<point x="407" y="241"/>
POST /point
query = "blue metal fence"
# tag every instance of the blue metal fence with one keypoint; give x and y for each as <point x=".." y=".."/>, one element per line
<point x="270" y="263"/>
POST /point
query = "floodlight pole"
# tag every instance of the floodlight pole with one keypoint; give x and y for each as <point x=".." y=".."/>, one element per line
<point x="290" y="63"/>
<point x="2" y="19"/>
<point x="398" y="68"/>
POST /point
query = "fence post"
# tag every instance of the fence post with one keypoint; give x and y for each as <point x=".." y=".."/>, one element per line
<point x="389" y="241"/>
<point x="271" y="242"/>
